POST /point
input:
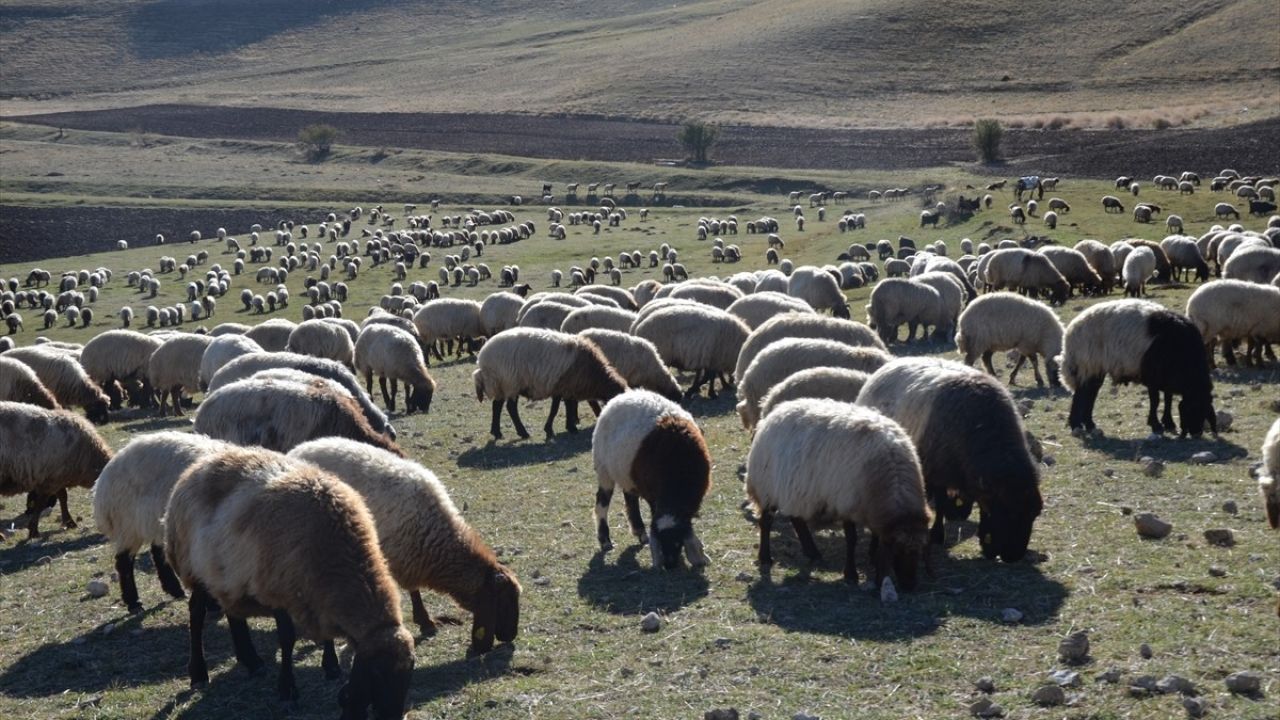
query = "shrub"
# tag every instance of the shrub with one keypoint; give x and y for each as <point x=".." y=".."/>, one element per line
<point x="1115" y="122"/>
<point x="986" y="140"/>
<point x="697" y="138"/>
<point x="317" y="140"/>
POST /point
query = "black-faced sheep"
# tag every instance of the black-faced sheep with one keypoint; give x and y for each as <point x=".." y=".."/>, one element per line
<point x="265" y="535"/>
<point x="424" y="538"/>
<point x="1008" y="321"/>
<point x="823" y="461"/>
<point x="393" y="354"/>
<point x="972" y="447"/>
<point x="1138" y="341"/>
<point x="652" y="449"/>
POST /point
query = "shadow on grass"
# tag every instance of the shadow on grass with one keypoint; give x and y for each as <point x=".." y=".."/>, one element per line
<point x="1168" y="448"/>
<point x="18" y="553"/>
<point x="507" y="453"/>
<point x="627" y="588"/>
<point x="433" y="681"/>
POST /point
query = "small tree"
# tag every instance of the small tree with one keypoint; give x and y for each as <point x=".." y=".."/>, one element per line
<point x="697" y="138"/>
<point x="316" y="140"/>
<point x="986" y="140"/>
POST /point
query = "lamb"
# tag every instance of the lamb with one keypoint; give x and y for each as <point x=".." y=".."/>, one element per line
<point x="1008" y="321"/>
<point x="121" y="356"/>
<point x="1138" y="268"/>
<point x="59" y="450"/>
<point x="1255" y="263"/>
<point x="816" y="287"/>
<point x="1075" y="268"/>
<point x="394" y="355"/>
<point x="129" y="500"/>
<point x="1138" y="341"/>
<point x="799" y="325"/>
<point x="832" y="383"/>
<point x="322" y="339"/>
<point x="65" y="379"/>
<point x="1231" y="310"/>
<point x="757" y="308"/>
<point x="818" y="461"/>
<point x="537" y="364"/>
<point x="447" y="319"/>
<point x="1269" y="477"/>
<point x="280" y="414"/>
<point x="597" y="317"/>
<point x="261" y="534"/>
<point x="1184" y="254"/>
<point x="696" y="338"/>
<point x="780" y="359"/>
<point x="1027" y="271"/>
<point x="636" y="360"/>
<point x="972" y="447"/>
<point x="653" y="450"/>
<point x="895" y="301"/>
<point x="175" y="366"/>
<point x="424" y="538"/>
<point x="222" y="350"/>
<point x="272" y="335"/>
<point x="19" y="383"/>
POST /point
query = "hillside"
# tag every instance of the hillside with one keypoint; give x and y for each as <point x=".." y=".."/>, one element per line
<point x="815" y="63"/>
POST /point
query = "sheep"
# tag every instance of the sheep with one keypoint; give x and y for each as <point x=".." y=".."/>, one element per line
<point x="1231" y="310"/>
<point x="818" y="461"/>
<point x="272" y="335"/>
<point x="716" y="294"/>
<point x="1255" y="263"/>
<point x="129" y="500"/>
<point x="1074" y="267"/>
<point x="222" y="350"/>
<point x="442" y="321"/>
<point x="597" y="317"/>
<point x="1051" y="220"/>
<point x="13" y="321"/>
<point x="1138" y="341"/>
<point x="952" y="297"/>
<point x="123" y="356"/>
<point x="757" y="308"/>
<point x="972" y="447"/>
<point x="895" y="301"/>
<point x="261" y="534"/>
<point x="1184" y="254"/>
<point x="1269" y="475"/>
<point x="799" y="325"/>
<point x="653" y="450"/>
<point x="424" y="538"/>
<point x="833" y="383"/>
<point x="696" y="338"/>
<point x="624" y="298"/>
<point x="547" y="315"/>
<point x="1008" y="321"/>
<point x="1110" y="203"/>
<point x="65" y="378"/>
<point x="1138" y="268"/>
<point x="537" y="363"/>
<point x="498" y="312"/>
<point x="323" y="339"/>
<point x="1223" y="209"/>
<point x="394" y="354"/>
<point x="46" y="452"/>
<point x="175" y="366"/>
<point x="1102" y="261"/>
<point x="280" y="413"/>
<point x="636" y="360"/>
<point x="19" y="383"/>
<point x="780" y="359"/>
<point x="1027" y="271"/>
<point x="816" y="287"/>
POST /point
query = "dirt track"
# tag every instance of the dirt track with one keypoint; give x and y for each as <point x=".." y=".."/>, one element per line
<point x="1063" y="152"/>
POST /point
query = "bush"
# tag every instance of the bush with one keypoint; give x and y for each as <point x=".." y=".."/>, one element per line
<point x="697" y="138"/>
<point x="317" y="140"/>
<point x="986" y="140"/>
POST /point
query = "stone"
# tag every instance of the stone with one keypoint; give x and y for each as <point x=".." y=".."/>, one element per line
<point x="1204" y="457"/>
<point x="1146" y="682"/>
<point x="1224" y="420"/>
<point x="1109" y="472"/>
<point x="745" y="577"/>
<point x="1011" y="615"/>
<point x="721" y="714"/>
<point x="1217" y="571"/>
<point x="1151" y="467"/>
<point x="805" y="716"/>
<point x="97" y="588"/>
<point x="1049" y="460"/>
<point x="1065" y="678"/>
<point x="651" y="623"/>
<point x="1221" y="537"/>
<point x="753" y="715"/>
<point x="984" y="708"/>
<point x="1049" y="696"/>
<point x="1230" y="507"/>
<point x="1195" y="706"/>
<point x="1074" y="648"/>
<point x="1171" y="684"/>
<point x="1151" y="526"/>
<point x="1145" y="651"/>
<point x="985" y="684"/>
<point x="1245" y="682"/>
<point x="1111" y="676"/>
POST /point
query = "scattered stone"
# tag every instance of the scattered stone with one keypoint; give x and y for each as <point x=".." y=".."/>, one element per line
<point x="1230" y="507"/>
<point x="804" y="716"/>
<point x="1074" y="648"/>
<point x="1204" y="457"/>
<point x="651" y="622"/>
<point x="542" y="581"/>
<point x="1049" y="696"/>
<point x="1151" y="526"/>
<point x="1224" y="420"/>
<point x="1195" y="706"/>
<point x="1111" y="676"/>
<point x="1217" y="571"/>
<point x="1049" y="460"/>
<point x="984" y="708"/>
<point x="1011" y="615"/>
<point x="1151" y="467"/>
<point x="742" y="470"/>
<point x="888" y="593"/>
<point x="1145" y="651"/>
<point x="1222" y="537"/>
<point x="1171" y="684"/>
<point x="744" y="577"/>
<point x="1146" y="682"/>
<point x="721" y="714"/>
<point x="753" y="715"/>
<point x="1109" y="472"/>
<point x="985" y="684"/>
<point x="1246" y="682"/>
<point x="1126" y="510"/>
<point x="1065" y="678"/>
<point x="98" y="588"/>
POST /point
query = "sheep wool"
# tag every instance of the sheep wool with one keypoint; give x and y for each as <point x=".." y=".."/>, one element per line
<point x="393" y="354"/>
<point x="322" y="338"/>
<point x="696" y="338"/>
<point x="498" y="312"/>
<point x="64" y="377"/>
<point x="121" y="355"/>
<point x="758" y="308"/>
<point x="272" y="335"/>
<point x="608" y="318"/>
<point x="19" y="383"/>
<point x="1008" y="321"/>
<point x="1231" y="310"/>
<point x="781" y="359"/>
<point x="1269" y="478"/>
<point x="830" y="383"/>
<point x="804" y="325"/>
<point x="636" y="360"/>
<point x="175" y="367"/>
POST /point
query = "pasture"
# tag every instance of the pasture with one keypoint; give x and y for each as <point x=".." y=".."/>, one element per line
<point x="795" y="639"/>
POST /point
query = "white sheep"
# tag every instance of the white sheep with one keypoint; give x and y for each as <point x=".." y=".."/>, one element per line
<point x="446" y="320"/>
<point x="498" y="312"/>
<point x="1139" y="266"/>
<point x="1025" y="270"/>
<point x="697" y="338"/>
<point x="759" y="307"/>
<point x="1008" y="321"/>
<point x="1269" y="477"/>
<point x="895" y="301"/>
<point x="175" y="367"/>
<point x="1255" y="263"/>
<point x="395" y="355"/>
<point x="322" y="338"/>
<point x="831" y="383"/>
<point x="780" y="359"/>
<point x="818" y="288"/>
<point x="952" y="297"/>
<point x="1184" y="255"/>
<point x="596" y="316"/>
<point x="800" y="325"/>
<point x="1232" y="310"/>
<point x="272" y="335"/>
<point x="223" y="349"/>
<point x="124" y="356"/>
<point x="19" y="383"/>
<point x="65" y="378"/>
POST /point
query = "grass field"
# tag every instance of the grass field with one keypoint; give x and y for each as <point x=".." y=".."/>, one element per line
<point x="793" y="640"/>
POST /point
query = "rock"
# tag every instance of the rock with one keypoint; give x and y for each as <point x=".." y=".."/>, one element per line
<point x="543" y="580"/>
<point x="1065" y="678"/>
<point x="651" y="623"/>
<point x="1146" y="682"/>
<point x="1230" y="507"/>
<point x="804" y="716"/>
<point x="1049" y="460"/>
<point x="1048" y="696"/>
<point x="1222" y="537"/>
<point x="984" y="708"/>
<point x="1216" y="571"/>
<point x="1145" y="651"/>
<point x="97" y="588"/>
<point x="1246" y="682"/>
<point x="1204" y="457"/>
<point x="1224" y="420"/>
<point x="1170" y="684"/>
<point x="1195" y="706"/>
<point x="888" y="593"/>
<point x="985" y="684"/>
<point x="1111" y="676"/>
<point x="721" y="714"/>
<point x="1011" y="615"/>
<point x="1151" y="526"/>
<point x="1074" y="648"/>
<point x="753" y="715"/>
<point x="744" y="577"/>
<point x="1126" y="510"/>
<point x="1109" y="472"/>
<point x="1151" y="467"/>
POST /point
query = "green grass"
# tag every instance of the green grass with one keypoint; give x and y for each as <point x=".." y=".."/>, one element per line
<point x="795" y="640"/>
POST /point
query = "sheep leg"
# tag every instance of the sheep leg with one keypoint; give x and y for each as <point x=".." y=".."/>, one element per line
<point x="1035" y="368"/>
<point x="765" y="558"/>
<point x="595" y="407"/>
<point x="177" y="402"/>
<point x="329" y="661"/>
<point x="549" y="427"/>
<point x="850" y="553"/>
<point x="368" y="383"/>
<point x="603" y="498"/>
<point x="694" y="552"/>
<point x="36" y="503"/>
<point x="420" y="614"/>
<point x="1018" y="366"/>
<point x="986" y="361"/>
<point x="636" y="522"/>
<point x="243" y="645"/>
<point x="286" y="688"/>
<point x="938" y="532"/>
<point x="395" y="387"/>
<point x="197" y="670"/>
<point x="807" y="544"/>
<point x="696" y="386"/>
<point x="1167" y="418"/>
<point x="1153" y="397"/>
<point x="494" y="428"/>
<point x="571" y="416"/>
<point x="67" y="520"/>
<point x="168" y="580"/>
<point x="1229" y="352"/>
<point x="1081" y="415"/>
<point x="514" y="414"/>
<point x="128" y="585"/>
<point x="387" y="399"/>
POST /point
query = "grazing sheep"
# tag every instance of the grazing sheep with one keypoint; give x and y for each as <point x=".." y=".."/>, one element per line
<point x="1269" y="477"/>
<point x="636" y="360"/>
<point x="832" y="383"/>
<point x="121" y="356"/>
<point x="653" y="450"/>
<point x="801" y="325"/>
<point x="19" y="383"/>
<point x="780" y="359"/>
<point x="272" y="335"/>
<point x="65" y="378"/>
<point x="13" y="321"/>
<point x="1112" y="203"/>
<point x="1255" y="263"/>
<point x="424" y="538"/>
<point x="1222" y="210"/>
<point x="222" y="350"/>
<point x="951" y="295"/>
<point x="446" y="320"/>
<point x="175" y="366"/>
<point x="608" y="318"/>
<point x="716" y="294"/>
<point x="697" y="338"/>
<point x="537" y="364"/>
<point x="58" y="450"/>
<point x="1138" y="341"/>
<point x="281" y="413"/>
<point x="1074" y="267"/>
<point x="1184" y="255"/>
<point x="394" y="354"/>
<point x="1139" y="266"/>
<point x="1232" y="310"/>
<point x="819" y="461"/>
<point x="129" y="502"/>
<point x="818" y="288"/>
<point x="972" y="447"/>
<point x="1008" y="321"/>
<point x="323" y="339"/>
<point x="759" y="307"/>
<point x="261" y="534"/>
<point x="895" y="301"/>
<point x="1026" y="271"/>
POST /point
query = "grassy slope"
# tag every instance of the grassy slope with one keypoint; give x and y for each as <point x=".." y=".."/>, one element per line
<point x="813" y="62"/>
<point x="797" y="641"/>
